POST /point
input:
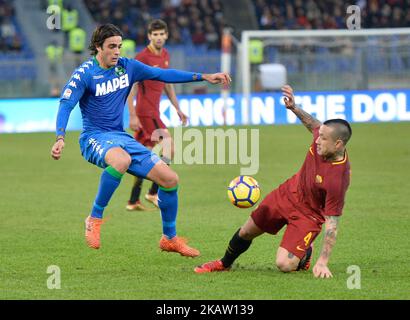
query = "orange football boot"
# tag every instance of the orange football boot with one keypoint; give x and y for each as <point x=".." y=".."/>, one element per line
<point x="92" y="232"/>
<point x="178" y="244"/>
<point x="211" y="267"/>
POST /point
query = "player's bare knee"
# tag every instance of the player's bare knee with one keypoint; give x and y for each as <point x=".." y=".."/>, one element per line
<point x="246" y="234"/>
<point x="243" y="233"/>
<point x="170" y="181"/>
<point x="286" y="265"/>
<point x="126" y="162"/>
<point x="119" y="160"/>
<point x="174" y="180"/>
<point x="122" y="164"/>
<point x="250" y="230"/>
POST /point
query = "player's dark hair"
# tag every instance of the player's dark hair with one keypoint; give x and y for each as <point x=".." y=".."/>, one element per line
<point x="100" y="34"/>
<point x="157" y="24"/>
<point x="342" y="129"/>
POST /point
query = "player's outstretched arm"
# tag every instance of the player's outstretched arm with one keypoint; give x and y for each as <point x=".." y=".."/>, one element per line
<point x="321" y="270"/>
<point x="309" y="121"/>
<point x="217" y="78"/>
<point x="140" y="71"/>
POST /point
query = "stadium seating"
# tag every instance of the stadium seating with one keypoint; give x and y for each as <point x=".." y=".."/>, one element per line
<point x="190" y="22"/>
<point x="11" y="37"/>
<point x="13" y="46"/>
<point x="317" y="14"/>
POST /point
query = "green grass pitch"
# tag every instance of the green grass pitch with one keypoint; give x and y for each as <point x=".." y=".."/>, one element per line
<point x="44" y="203"/>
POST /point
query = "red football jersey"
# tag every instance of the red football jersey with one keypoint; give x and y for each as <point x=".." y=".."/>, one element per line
<point x="150" y="91"/>
<point x="319" y="188"/>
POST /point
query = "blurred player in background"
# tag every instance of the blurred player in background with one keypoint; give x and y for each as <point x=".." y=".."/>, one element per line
<point x="145" y="116"/>
<point x="101" y="85"/>
<point x="315" y="195"/>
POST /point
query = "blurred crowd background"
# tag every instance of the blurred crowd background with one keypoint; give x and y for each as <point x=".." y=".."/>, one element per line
<point x="35" y="60"/>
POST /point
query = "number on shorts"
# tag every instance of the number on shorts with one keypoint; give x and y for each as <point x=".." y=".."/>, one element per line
<point x="307" y="238"/>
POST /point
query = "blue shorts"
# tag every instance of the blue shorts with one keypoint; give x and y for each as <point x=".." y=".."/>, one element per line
<point x="94" y="146"/>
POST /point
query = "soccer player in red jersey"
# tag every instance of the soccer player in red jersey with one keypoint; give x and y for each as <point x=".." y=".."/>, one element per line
<point x="145" y="116"/>
<point x="313" y="196"/>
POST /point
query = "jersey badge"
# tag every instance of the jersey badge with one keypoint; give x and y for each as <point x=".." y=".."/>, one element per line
<point x="119" y="71"/>
<point x="67" y="93"/>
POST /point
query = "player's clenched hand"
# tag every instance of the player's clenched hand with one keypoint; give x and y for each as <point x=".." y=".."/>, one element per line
<point x="135" y="124"/>
<point x="289" y="99"/>
<point x="321" y="271"/>
<point x="215" y="78"/>
<point x="57" y="149"/>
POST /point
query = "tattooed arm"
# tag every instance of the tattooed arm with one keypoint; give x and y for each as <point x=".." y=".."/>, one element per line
<point x="320" y="269"/>
<point x="309" y="121"/>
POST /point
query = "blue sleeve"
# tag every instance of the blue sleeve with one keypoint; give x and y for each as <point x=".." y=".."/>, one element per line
<point x="71" y="94"/>
<point x="141" y="72"/>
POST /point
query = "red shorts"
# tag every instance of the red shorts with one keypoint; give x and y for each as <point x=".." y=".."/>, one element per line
<point x="148" y="134"/>
<point x="275" y="211"/>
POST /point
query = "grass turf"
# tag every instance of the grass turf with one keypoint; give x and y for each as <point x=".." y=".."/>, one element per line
<point x="44" y="203"/>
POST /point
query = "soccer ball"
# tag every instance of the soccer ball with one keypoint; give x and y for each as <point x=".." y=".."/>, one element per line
<point x="244" y="191"/>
